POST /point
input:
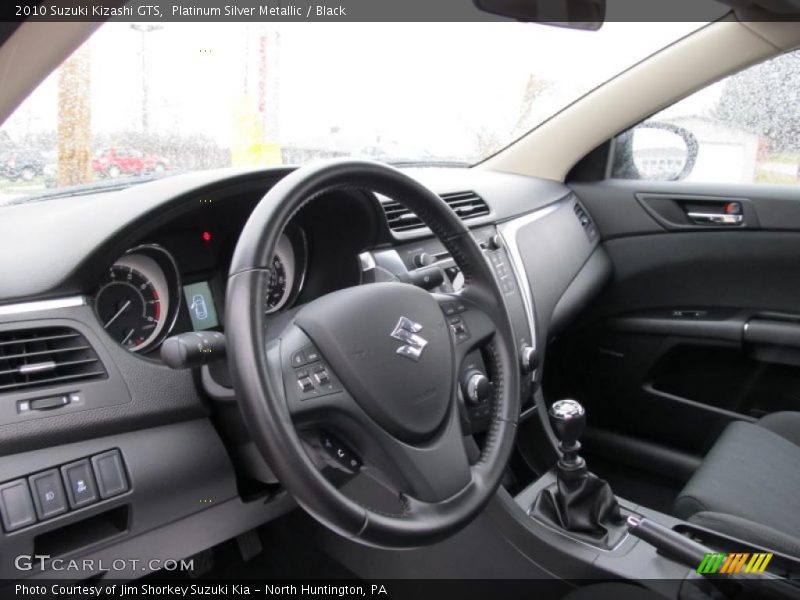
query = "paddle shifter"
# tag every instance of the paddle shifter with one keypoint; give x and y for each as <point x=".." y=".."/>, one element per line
<point x="578" y="501"/>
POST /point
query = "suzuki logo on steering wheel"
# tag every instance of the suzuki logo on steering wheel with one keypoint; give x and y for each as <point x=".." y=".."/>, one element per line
<point x="406" y="331"/>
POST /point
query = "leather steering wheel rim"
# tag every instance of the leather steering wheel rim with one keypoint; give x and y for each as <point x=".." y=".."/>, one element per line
<point x="258" y="364"/>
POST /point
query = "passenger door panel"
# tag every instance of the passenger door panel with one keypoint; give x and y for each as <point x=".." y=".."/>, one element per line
<point x="700" y="324"/>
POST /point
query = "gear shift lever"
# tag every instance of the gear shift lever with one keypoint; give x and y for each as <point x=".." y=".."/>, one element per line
<point x="568" y="419"/>
<point x="578" y="501"/>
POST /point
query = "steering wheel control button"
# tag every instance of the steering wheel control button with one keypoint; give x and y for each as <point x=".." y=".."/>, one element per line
<point x="79" y="479"/>
<point x="316" y="380"/>
<point x="16" y="506"/>
<point x="306" y="385"/>
<point x="110" y="473"/>
<point x="453" y="308"/>
<point x="299" y="359"/>
<point x="340" y="453"/>
<point x="321" y="376"/>
<point x="48" y="494"/>
<point x="459" y="329"/>
<point x="305" y="356"/>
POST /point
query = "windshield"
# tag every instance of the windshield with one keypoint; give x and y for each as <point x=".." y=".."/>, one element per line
<point x="138" y="101"/>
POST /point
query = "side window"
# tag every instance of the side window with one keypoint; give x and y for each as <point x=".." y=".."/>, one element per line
<point x="743" y="129"/>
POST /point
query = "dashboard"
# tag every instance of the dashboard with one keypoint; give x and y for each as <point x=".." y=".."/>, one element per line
<point x="87" y="313"/>
<point x="172" y="280"/>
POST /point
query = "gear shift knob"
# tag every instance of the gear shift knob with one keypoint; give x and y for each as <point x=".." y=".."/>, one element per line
<point x="568" y="419"/>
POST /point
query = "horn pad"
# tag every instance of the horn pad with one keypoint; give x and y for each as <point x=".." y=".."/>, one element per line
<point x="390" y="346"/>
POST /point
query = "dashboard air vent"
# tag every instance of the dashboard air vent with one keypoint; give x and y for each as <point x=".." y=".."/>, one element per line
<point x="45" y="356"/>
<point x="466" y="205"/>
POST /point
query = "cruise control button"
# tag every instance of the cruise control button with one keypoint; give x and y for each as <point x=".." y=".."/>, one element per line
<point x="79" y="479"/>
<point x="16" y="507"/>
<point x="110" y="473"/>
<point x="48" y="494"/>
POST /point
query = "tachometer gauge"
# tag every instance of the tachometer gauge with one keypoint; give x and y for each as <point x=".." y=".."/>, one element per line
<point x="129" y="306"/>
<point x="277" y="287"/>
<point x="136" y="302"/>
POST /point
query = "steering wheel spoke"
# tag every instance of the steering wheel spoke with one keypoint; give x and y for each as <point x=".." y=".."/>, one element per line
<point x="471" y="326"/>
<point x="311" y="388"/>
<point x="430" y="472"/>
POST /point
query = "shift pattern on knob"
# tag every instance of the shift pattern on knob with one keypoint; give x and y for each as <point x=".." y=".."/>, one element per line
<point x="567" y="409"/>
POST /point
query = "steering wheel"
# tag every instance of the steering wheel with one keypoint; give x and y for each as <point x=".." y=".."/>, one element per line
<point x="388" y="356"/>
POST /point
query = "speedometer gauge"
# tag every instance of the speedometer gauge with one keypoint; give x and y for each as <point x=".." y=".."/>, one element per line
<point x="137" y="300"/>
<point x="277" y="287"/>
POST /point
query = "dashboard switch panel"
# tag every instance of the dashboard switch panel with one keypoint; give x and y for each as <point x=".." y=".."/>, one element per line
<point x="79" y="479"/>
<point x="60" y="489"/>
<point x="110" y="474"/>
<point x="48" y="494"/>
<point x="16" y="506"/>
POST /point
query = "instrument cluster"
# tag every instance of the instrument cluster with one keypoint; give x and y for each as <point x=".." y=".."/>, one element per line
<point x="143" y="297"/>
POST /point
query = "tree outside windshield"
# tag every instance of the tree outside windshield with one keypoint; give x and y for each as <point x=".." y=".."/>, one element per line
<point x="138" y="101"/>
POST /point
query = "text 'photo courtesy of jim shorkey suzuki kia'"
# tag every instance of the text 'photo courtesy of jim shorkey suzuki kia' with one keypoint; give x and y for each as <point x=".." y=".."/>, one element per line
<point x="408" y="300"/>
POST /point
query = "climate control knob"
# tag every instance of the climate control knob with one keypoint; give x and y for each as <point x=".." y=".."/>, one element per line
<point x="476" y="388"/>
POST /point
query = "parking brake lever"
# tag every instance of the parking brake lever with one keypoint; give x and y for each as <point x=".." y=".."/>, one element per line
<point x="667" y="541"/>
<point x="691" y="553"/>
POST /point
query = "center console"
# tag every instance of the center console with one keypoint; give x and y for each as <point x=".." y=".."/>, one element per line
<point x="578" y="518"/>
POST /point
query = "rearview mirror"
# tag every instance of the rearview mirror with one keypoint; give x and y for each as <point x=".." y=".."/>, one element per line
<point x="575" y="14"/>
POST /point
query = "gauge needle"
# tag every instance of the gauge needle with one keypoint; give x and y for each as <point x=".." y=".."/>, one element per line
<point x="127" y="337"/>
<point x="118" y="313"/>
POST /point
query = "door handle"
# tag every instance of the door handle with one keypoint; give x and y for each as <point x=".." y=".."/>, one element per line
<point x="715" y="218"/>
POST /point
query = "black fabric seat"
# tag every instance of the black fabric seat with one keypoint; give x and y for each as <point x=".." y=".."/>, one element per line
<point x="748" y="486"/>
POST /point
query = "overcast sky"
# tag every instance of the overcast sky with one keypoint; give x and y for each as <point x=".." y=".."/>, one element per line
<point x="420" y="87"/>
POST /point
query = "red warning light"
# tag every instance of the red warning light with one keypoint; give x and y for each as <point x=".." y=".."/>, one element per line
<point x="206" y="236"/>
